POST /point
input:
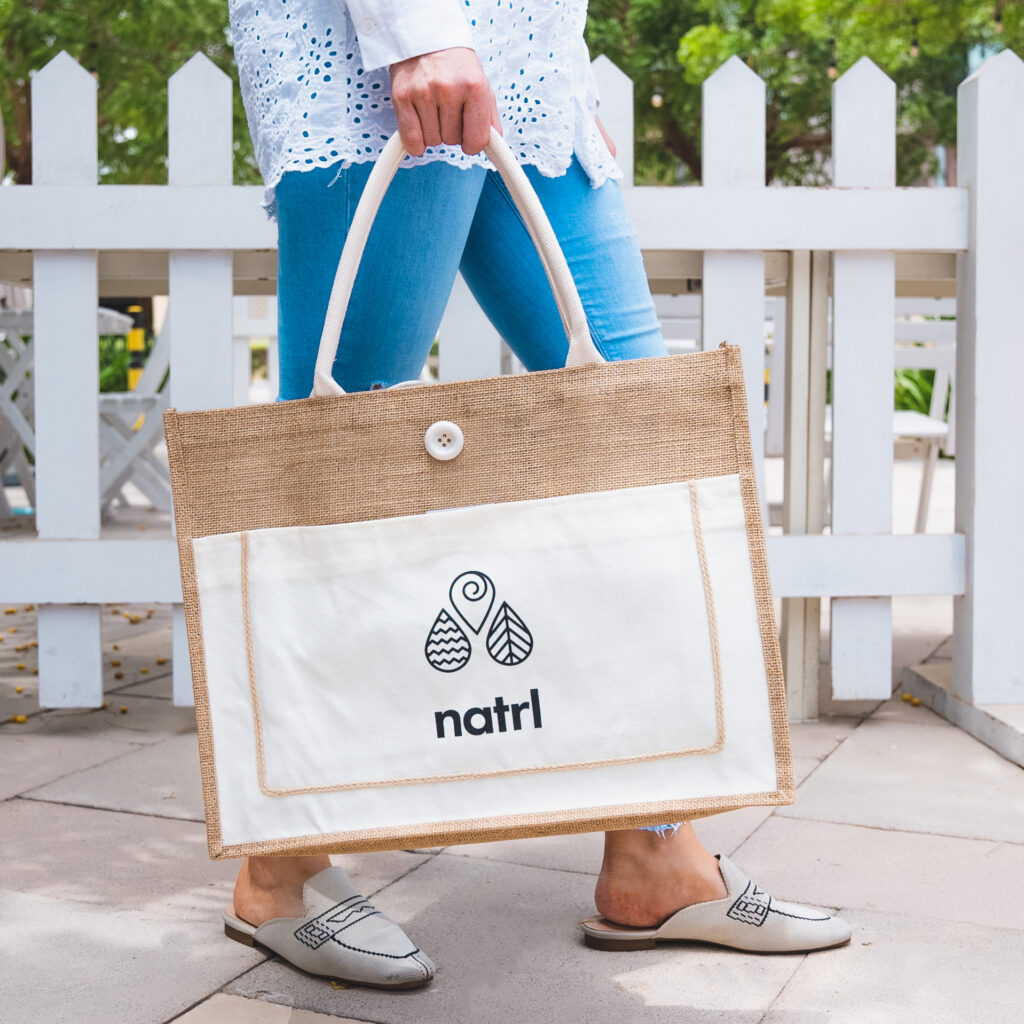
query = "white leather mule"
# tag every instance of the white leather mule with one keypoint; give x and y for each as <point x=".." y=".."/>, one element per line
<point x="746" y="919"/>
<point x="342" y="936"/>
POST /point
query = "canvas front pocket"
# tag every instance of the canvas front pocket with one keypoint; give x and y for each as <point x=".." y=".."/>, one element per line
<point x="513" y="638"/>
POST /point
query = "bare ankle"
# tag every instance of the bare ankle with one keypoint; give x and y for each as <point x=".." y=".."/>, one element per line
<point x="645" y="878"/>
<point x="269" y="887"/>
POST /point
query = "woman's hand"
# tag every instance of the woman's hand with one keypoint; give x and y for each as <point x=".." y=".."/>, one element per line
<point x="443" y="97"/>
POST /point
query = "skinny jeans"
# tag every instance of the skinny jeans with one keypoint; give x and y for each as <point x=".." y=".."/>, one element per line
<point x="434" y="221"/>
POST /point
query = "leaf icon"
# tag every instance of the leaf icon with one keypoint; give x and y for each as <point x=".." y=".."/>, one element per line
<point x="509" y="641"/>
<point x="447" y="647"/>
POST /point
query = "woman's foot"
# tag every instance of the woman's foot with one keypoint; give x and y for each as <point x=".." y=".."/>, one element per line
<point x="745" y="918"/>
<point x="646" y="877"/>
<point x="269" y="887"/>
<point x="312" y="916"/>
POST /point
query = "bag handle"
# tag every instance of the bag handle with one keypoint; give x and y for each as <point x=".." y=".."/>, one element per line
<point x="581" y="346"/>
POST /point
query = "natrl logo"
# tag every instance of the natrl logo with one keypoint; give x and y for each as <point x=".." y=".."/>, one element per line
<point x="508" y="641"/>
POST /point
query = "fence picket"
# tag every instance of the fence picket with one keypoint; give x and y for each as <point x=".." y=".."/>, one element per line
<point x="987" y="662"/>
<point x="863" y="362"/>
<point x="200" y="283"/>
<point x="66" y="382"/>
<point x="732" y="220"/>
<point x="733" y="284"/>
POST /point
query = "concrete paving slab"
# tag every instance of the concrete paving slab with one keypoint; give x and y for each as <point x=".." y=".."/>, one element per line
<point x="160" y="779"/>
<point x="507" y="949"/>
<point x="71" y="963"/>
<point x="803" y="767"/>
<point x="919" y="778"/>
<point x="224" y="1009"/>
<point x="144" y="721"/>
<point x="371" y="872"/>
<point x="577" y="853"/>
<point x="899" y="710"/>
<point x="138" y="862"/>
<point x="999" y="726"/>
<point x="122" y="860"/>
<point x="971" y="880"/>
<point x="14" y="703"/>
<point x="914" y="970"/>
<point x="31" y="760"/>
<point x="140" y="658"/>
<point x="151" y="639"/>
<point x="723" y="833"/>
<point x="819" y="739"/>
<point x="139" y="645"/>
<point x="159" y="687"/>
<point x="720" y="833"/>
<point x="920" y="622"/>
<point x="17" y="647"/>
<point x="150" y="634"/>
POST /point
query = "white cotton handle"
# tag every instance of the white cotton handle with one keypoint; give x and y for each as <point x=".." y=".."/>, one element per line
<point x="581" y="346"/>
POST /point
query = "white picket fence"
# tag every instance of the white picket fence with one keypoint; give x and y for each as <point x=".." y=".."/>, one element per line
<point x="199" y="239"/>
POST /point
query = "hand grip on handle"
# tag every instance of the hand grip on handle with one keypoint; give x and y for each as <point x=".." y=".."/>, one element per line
<point x="581" y="346"/>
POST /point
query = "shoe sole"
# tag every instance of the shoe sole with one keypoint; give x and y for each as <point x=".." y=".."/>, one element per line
<point x="628" y="945"/>
<point x="248" y="940"/>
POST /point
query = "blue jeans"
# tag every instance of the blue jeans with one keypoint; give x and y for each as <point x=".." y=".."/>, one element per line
<point x="434" y="221"/>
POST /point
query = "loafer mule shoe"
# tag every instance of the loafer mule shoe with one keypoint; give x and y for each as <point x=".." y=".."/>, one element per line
<point x="747" y="919"/>
<point x="342" y="936"/>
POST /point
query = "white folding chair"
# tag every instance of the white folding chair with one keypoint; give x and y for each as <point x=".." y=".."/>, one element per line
<point x="17" y="436"/>
<point x="921" y="345"/>
<point x="924" y="435"/>
<point x="131" y="429"/>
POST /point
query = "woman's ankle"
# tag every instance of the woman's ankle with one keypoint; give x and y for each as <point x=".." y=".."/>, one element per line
<point x="269" y="887"/>
<point x="645" y="877"/>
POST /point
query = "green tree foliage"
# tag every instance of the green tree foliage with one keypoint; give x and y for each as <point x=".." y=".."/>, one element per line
<point x="668" y="48"/>
<point x="133" y="47"/>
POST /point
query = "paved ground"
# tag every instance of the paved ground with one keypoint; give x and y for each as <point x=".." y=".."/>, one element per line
<point x="111" y="909"/>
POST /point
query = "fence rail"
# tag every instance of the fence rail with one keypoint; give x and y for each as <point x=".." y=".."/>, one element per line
<point x="858" y="244"/>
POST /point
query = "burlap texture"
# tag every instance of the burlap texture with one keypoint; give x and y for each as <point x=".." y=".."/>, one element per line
<point x="361" y="456"/>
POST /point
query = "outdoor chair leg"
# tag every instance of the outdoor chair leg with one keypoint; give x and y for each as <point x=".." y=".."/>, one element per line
<point x="928" y="474"/>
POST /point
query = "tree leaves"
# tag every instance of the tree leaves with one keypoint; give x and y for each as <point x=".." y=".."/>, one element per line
<point x="671" y="46"/>
<point x="133" y="47"/>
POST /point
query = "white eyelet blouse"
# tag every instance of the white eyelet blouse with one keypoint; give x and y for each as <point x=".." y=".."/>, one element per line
<point x="315" y="82"/>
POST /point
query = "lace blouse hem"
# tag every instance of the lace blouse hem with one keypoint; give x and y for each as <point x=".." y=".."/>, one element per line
<point x="614" y="172"/>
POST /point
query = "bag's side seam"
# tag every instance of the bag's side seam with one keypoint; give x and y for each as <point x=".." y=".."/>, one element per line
<point x="184" y="530"/>
<point x="759" y="568"/>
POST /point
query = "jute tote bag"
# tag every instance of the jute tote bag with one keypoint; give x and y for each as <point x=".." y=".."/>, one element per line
<point x="483" y="610"/>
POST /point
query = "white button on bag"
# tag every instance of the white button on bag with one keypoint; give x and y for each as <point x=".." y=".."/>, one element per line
<point x="368" y="27"/>
<point x="444" y="440"/>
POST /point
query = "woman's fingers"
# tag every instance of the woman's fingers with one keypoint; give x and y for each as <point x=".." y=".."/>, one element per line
<point x="443" y="97"/>
<point x="409" y="128"/>
<point x="449" y="115"/>
<point x="430" y="122"/>
<point x="478" y="114"/>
